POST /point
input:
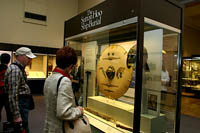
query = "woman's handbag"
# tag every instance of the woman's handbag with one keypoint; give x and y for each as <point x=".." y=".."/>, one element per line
<point x="81" y="125"/>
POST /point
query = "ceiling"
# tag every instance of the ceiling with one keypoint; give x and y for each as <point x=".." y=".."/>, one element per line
<point x="191" y="13"/>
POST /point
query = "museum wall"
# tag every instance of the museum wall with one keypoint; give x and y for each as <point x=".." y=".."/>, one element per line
<point x="86" y="4"/>
<point x="191" y="42"/>
<point x="15" y="30"/>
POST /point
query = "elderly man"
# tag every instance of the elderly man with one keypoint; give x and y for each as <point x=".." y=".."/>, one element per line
<point x="17" y="88"/>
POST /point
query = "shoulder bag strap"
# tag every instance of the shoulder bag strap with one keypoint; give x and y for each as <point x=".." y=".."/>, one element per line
<point x="22" y="69"/>
<point x="58" y="83"/>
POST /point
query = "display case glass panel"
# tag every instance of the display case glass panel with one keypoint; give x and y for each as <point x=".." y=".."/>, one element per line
<point x="38" y="68"/>
<point x="108" y="59"/>
<point x="159" y="84"/>
<point x="51" y="63"/>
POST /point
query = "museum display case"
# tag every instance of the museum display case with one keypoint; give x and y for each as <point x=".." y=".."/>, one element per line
<point x="38" y="71"/>
<point x="191" y="74"/>
<point x="131" y="74"/>
<point x="38" y="68"/>
<point x="51" y="63"/>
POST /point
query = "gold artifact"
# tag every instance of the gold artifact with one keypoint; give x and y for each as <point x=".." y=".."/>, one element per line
<point x="113" y="73"/>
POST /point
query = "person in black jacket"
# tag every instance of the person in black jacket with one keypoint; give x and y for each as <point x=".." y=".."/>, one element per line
<point x="5" y="59"/>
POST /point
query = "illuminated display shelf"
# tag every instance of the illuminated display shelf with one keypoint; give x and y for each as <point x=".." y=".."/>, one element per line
<point x="41" y="65"/>
<point x="191" y="74"/>
<point x="38" y="68"/>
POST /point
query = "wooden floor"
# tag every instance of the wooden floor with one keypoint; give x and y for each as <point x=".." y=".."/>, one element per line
<point x="190" y="106"/>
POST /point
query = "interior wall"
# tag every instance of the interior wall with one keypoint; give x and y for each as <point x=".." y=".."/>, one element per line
<point x="191" y="42"/>
<point x="86" y="4"/>
<point x="15" y="31"/>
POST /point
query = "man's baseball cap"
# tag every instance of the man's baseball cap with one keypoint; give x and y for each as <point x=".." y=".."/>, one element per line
<point x="25" y="51"/>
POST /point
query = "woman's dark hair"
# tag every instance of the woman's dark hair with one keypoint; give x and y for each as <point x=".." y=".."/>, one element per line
<point x="65" y="57"/>
<point x="5" y="58"/>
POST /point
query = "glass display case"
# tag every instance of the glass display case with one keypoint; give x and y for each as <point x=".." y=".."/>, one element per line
<point x="51" y="63"/>
<point x="109" y="82"/>
<point x="38" y="68"/>
<point x="130" y="70"/>
<point x="191" y="74"/>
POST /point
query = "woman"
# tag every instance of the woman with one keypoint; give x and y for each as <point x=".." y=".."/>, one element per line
<point x="60" y="105"/>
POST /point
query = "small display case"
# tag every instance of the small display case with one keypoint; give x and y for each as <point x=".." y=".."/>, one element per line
<point x="51" y="63"/>
<point x="38" y="68"/>
<point x="191" y="74"/>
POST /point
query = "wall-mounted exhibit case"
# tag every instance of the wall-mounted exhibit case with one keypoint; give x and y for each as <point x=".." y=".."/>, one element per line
<point x="40" y="67"/>
<point x="131" y="55"/>
<point x="191" y="75"/>
<point x="51" y="63"/>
